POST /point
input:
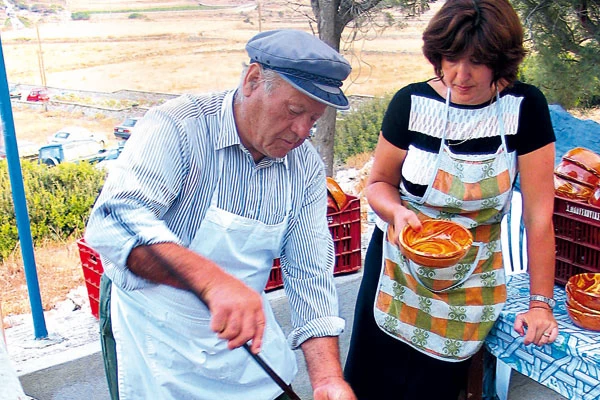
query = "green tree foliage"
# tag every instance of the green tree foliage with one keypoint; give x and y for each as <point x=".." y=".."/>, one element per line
<point x="59" y="201"/>
<point x="564" y="40"/>
<point x="359" y="130"/>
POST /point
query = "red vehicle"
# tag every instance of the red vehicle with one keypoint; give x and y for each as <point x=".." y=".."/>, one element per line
<point x="38" y="94"/>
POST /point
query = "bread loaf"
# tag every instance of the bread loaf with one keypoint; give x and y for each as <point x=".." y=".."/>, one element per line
<point x="569" y="170"/>
<point x="571" y="190"/>
<point x="585" y="158"/>
<point x="337" y="193"/>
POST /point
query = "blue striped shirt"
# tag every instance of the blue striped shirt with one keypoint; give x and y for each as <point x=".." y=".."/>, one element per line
<point x="163" y="182"/>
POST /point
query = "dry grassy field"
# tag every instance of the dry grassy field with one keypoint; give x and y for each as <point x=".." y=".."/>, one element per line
<point x="169" y="52"/>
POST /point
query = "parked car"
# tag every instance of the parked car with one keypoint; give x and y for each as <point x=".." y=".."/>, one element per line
<point x="14" y="92"/>
<point x="27" y="150"/>
<point x="82" y="150"/>
<point x="76" y="133"/>
<point x="38" y="94"/>
<point x="125" y="128"/>
<point x="109" y="158"/>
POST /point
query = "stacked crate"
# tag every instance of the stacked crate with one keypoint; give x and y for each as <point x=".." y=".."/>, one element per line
<point x="344" y="226"/>
<point x="577" y="229"/>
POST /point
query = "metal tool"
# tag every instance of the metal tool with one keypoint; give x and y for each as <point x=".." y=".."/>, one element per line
<point x="280" y="382"/>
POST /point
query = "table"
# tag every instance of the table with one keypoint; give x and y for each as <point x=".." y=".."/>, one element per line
<point x="568" y="366"/>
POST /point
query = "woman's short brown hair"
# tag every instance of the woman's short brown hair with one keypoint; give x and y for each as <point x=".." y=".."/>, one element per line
<point x="488" y="31"/>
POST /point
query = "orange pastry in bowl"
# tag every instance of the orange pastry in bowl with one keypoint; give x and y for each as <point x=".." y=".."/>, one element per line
<point x="585" y="289"/>
<point x="439" y="244"/>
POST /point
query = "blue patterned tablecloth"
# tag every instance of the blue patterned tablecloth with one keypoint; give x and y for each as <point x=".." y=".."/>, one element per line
<point x="568" y="366"/>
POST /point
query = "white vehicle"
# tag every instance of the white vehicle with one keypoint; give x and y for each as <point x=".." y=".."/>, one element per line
<point x="76" y="133"/>
<point x="27" y="150"/>
<point x="80" y="150"/>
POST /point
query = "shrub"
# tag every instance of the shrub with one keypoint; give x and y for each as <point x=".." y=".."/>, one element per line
<point x="80" y="16"/>
<point x="358" y="131"/>
<point x="59" y="201"/>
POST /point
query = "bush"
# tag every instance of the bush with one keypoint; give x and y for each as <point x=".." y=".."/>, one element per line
<point x="59" y="201"/>
<point x="563" y="79"/>
<point x="358" y="131"/>
<point x="80" y="16"/>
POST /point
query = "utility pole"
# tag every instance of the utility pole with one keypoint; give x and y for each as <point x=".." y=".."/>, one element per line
<point x="40" y="56"/>
<point x="20" y="204"/>
<point x="41" y="63"/>
<point x="259" y="3"/>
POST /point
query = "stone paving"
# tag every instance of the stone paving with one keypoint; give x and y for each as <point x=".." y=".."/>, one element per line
<point x="72" y="333"/>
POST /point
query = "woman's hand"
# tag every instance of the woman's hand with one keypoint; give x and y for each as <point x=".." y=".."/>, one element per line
<point x="541" y="327"/>
<point x="402" y="217"/>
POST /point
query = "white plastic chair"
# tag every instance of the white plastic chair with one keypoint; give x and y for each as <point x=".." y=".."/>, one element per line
<point x="514" y="254"/>
<point x="513" y="238"/>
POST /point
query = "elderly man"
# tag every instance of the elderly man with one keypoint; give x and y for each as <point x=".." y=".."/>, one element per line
<point x="206" y="194"/>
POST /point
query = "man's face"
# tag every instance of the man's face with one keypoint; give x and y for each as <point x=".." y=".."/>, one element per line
<point x="273" y="123"/>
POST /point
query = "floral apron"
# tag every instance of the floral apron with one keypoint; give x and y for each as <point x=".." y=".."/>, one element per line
<point x="166" y="349"/>
<point x="447" y="312"/>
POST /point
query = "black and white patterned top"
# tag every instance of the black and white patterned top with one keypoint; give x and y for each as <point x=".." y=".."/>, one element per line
<point x="415" y="121"/>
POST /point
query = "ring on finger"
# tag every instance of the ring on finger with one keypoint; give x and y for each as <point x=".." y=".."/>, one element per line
<point x="546" y="334"/>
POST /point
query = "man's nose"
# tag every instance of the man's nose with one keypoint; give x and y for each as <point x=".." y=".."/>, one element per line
<point x="302" y="127"/>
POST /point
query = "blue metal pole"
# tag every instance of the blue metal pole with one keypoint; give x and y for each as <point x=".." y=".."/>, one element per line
<point x="18" y="195"/>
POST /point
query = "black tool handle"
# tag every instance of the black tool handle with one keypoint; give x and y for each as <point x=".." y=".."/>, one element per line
<point x="280" y="382"/>
<point x="284" y="386"/>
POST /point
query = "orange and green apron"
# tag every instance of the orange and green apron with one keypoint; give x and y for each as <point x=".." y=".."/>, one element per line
<point x="447" y="312"/>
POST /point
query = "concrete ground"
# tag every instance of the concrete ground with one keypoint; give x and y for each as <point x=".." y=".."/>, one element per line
<point x="80" y="375"/>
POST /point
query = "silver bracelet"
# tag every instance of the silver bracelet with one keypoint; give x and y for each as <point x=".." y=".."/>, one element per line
<point x="538" y="297"/>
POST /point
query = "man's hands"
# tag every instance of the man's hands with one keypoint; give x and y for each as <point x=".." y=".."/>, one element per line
<point x="236" y="309"/>
<point x="237" y="312"/>
<point x="333" y="389"/>
<point x="324" y="369"/>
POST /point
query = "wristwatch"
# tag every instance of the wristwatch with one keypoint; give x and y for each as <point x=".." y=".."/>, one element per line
<point x="538" y="297"/>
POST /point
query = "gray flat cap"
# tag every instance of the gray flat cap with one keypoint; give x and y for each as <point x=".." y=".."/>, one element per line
<point x="303" y="60"/>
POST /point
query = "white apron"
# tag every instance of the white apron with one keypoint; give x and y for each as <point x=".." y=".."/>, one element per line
<point x="165" y="347"/>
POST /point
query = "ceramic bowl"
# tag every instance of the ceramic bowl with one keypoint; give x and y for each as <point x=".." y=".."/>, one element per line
<point x="439" y="244"/>
<point x="585" y="289"/>
<point x="574" y="304"/>
<point x="583" y="319"/>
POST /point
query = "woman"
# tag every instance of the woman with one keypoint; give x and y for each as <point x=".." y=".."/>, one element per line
<point x="450" y="148"/>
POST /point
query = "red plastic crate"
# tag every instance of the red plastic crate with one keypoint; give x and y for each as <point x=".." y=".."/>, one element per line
<point x="577" y="230"/>
<point x="344" y="227"/>
<point x="275" y="279"/>
<point x="92" y="271"/>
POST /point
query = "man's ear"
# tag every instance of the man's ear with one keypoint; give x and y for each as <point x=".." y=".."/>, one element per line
<point x="252" y="79"/>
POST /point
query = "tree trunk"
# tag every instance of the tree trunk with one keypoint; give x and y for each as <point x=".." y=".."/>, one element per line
<point x="323" y="140"/>
<point x="332" y="16"/>
<point x="327" y="12"/>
